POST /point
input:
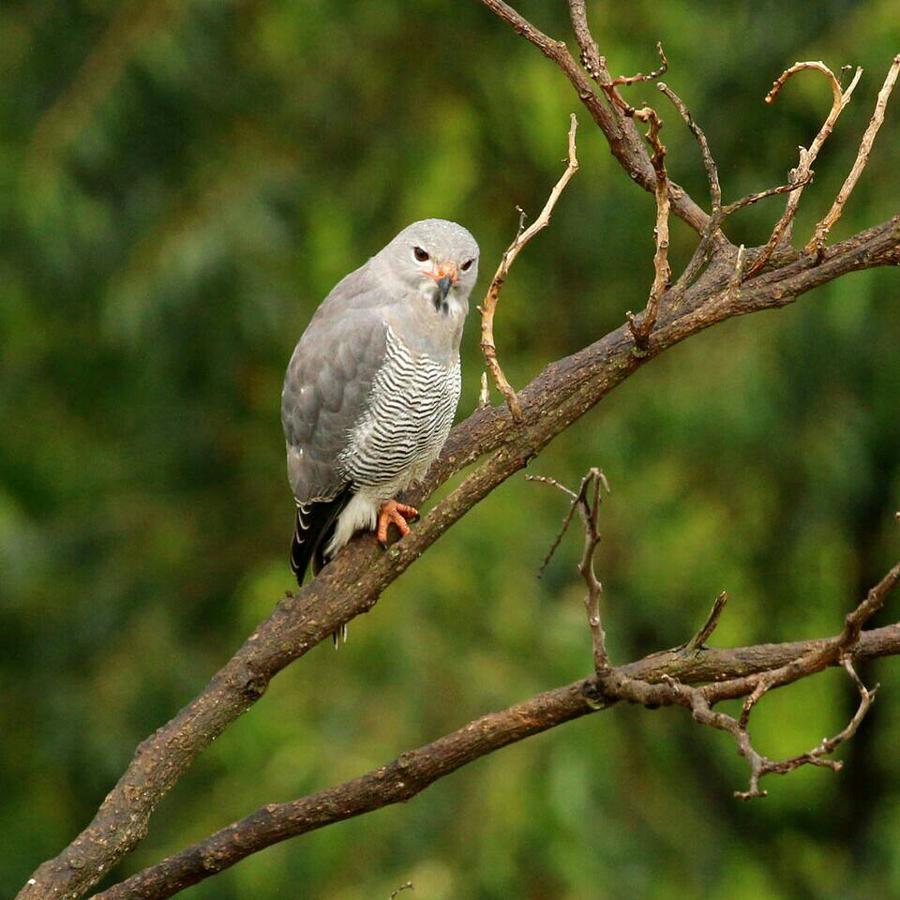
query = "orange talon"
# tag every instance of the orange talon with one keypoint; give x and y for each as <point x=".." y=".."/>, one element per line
<point x="396" y="513"/>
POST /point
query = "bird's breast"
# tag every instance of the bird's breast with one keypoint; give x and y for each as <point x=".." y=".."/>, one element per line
<point x="406" y="422"/>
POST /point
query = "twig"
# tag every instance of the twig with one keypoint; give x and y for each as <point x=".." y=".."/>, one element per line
<point x="750" y="199"/>
<point x="650" y="76"/>
<point x="840" y="98"/>
<point x="586" y="500"/>
<point x="484" y="395"/>
<point x="642" y="324"/>
<point x="523" y="236"/>
<point x="567" y="519"/>
<point x="709" y="164"/>
<point x="712" y="233"/>
<point x="817" y="241"/>
<point x="698" y="641"/>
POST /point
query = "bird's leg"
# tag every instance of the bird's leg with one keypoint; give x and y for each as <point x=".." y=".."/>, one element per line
<point x="398" y="513"/>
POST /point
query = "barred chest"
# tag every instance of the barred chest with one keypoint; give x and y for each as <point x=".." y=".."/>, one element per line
<point x="414" y="400"/>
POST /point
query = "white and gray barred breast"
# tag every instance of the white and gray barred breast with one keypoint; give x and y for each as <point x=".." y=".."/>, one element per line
<point x="404" y="427"/>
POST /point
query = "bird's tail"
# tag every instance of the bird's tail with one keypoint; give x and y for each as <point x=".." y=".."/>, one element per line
<point x="313" y="526"/>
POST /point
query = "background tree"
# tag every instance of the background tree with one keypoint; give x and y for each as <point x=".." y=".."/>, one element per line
<point x="177" y="176"/>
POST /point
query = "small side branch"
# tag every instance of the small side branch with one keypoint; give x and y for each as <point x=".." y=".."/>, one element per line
<point x="642" y="324"/>
<point x="586" y="500"/>
<point x="817" y="242"/>
<point x="489" y="306"/>
<point x="803" y="172"/>
<point x="698" y="641"/>
<point x="709" y="164"/>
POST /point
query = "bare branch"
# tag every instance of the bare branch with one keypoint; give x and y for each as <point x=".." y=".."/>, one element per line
<point x="750" y="199"/>
<point x="650" y="76"/>
<point x="840" y="98"/>
<point x="567" y="519"/>
<point x="817" y="241"/>
<point x="586" y="500"/>
<point x="589" y="501"/>
<point x="489" y="306"/>
<point x="658" y="678"/>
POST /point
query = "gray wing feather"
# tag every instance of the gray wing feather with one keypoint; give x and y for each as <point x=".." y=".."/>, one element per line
<point x="328" y="384"/>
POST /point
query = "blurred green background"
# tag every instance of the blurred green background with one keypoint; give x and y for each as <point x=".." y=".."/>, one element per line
<point x="182" y="182"/>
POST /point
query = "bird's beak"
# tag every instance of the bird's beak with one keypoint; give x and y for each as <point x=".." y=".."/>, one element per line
<point x="446" y="276"/>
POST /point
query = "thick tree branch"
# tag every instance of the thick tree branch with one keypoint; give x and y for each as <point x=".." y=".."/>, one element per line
<point x="412" y="772"/>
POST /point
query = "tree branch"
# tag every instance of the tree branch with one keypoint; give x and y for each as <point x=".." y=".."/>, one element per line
<point x="412" y="772"/>
<point x="817" y="241"/>
<point x="840" y="98"/>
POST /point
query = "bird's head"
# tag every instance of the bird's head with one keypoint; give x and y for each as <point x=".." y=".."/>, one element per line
<point x="438" y="261"/>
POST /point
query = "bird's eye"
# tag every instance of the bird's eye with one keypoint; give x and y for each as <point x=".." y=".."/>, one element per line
<point x="467" y="265"/>
<point x="420" y="254"/>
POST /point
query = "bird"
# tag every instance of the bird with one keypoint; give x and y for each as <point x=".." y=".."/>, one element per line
<point x="372" y="387"/>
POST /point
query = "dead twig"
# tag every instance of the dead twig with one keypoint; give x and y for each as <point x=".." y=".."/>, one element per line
<point x="586" y="500"/>
<point x="612" y="84"/>
<point x="709" y="626"/>
<point x="650" y="76"/>
<point x="709" y="164"/>
<point x="840" y="98"/>
<point x="817" y="241"/>
<point x="524" y="235"/>
<point x="642" y="324"/>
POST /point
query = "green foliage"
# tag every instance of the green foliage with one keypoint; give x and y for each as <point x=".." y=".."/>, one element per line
<point x="180" y="185"/>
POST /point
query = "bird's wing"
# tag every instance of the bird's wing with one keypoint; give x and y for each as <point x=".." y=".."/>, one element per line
<point x="329" y="383"/>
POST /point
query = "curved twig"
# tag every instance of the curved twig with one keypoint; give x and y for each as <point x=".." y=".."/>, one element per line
<point x="524" y="235"/>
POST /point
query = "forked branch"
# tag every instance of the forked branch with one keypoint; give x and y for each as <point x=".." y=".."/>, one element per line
<point x="803" y="172"/>
<point x="817" y="241"/>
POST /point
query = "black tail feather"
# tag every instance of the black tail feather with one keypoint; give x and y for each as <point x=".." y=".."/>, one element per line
<point x="313" y="527"/>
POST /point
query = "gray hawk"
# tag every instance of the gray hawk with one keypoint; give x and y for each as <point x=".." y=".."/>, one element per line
<point x="372" y="387"/>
